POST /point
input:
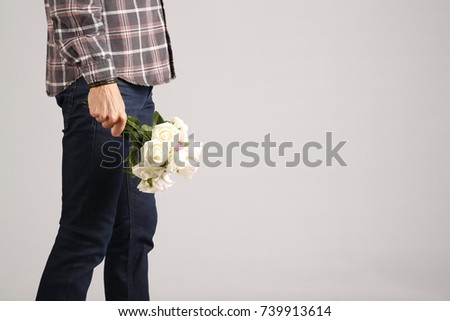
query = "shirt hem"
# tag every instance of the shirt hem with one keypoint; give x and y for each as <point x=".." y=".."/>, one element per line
<point x="124" y="77"/>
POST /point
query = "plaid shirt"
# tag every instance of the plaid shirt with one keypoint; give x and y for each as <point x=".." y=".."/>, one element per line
<point x="101" y="39"/>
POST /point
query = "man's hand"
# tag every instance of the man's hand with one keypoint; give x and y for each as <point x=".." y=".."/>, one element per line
<point x="107" y="107"/>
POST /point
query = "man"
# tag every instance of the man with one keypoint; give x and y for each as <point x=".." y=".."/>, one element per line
<point x="110" y="54"/>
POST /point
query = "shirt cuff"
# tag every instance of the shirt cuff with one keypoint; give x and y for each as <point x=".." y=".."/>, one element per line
<point x="98" y="70"/>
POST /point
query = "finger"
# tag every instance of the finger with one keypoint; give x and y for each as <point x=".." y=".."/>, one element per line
<point x="110" y="121"/>
<point x="108" y="124"/>
<point x="93" y="113"/>
<point x="112" y="118"/>
<point x="118" y="127"/>
<point x="102" y="118"/>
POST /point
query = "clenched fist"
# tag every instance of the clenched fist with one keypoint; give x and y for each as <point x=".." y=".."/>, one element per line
<point x="107" y="107"/>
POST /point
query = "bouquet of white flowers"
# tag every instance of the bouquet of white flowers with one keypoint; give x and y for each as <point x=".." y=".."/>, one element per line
<point x="164" y="149"/>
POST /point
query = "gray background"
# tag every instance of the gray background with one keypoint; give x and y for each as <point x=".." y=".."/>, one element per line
<point x="375" y="73"/>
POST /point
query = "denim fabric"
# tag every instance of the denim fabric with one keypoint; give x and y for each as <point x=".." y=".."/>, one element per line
<point x="103" y="216"/>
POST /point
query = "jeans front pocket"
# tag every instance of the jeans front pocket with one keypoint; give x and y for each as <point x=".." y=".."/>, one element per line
<point x="65" y="100"/>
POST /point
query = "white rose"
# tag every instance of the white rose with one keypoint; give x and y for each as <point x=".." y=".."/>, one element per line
<point x="182" y="157"/>
<point x="163" y="182"/>
<point x="154" y="152"/>
<point x="188" y="156"/>
<point x="188" y="171"/>
<point x="165" y="132"/>
<point x="182" y="127"/>
<point x="171" y="165"/>
<point x="145" y="187"/>
<point x="159" y="184"/>
<point x="144" y="171"/>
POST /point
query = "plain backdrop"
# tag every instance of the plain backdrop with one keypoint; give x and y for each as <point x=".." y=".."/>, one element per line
<point x="375" y="73"/>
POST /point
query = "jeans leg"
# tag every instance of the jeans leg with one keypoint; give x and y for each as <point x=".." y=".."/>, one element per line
<point x="126" y="262"/>
<point x="90" y="198"/>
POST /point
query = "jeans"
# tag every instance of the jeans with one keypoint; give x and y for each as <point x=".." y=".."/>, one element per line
<point x="104" y="215"/>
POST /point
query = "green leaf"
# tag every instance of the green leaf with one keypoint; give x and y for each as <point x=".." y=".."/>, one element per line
<point x="157" y="118"/>
<point x="137" y="136"/>
<point x="132" y="124"/>
<point x="133" y="135"/>
<point x="146" y="136"/>
<point x="132" y="158"/>
<point x="133" y="120"/>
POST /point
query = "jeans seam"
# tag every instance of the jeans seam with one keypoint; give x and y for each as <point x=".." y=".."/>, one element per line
<point x="127" y="180"/>
<point x="90" y="169"/>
